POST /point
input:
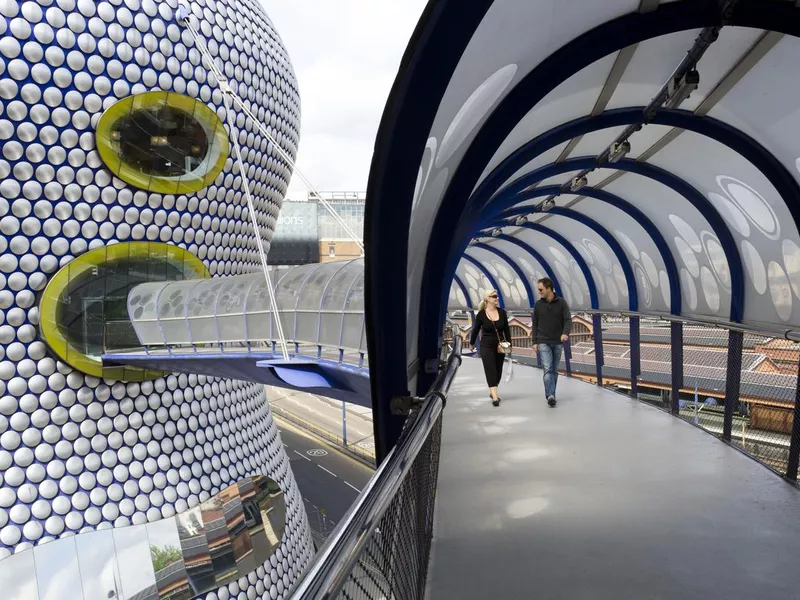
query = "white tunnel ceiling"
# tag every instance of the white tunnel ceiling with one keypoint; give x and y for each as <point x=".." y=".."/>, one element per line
<point x="745" y="82"/>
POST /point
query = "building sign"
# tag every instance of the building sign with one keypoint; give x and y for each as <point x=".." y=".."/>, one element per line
<point x="295" y="241"/>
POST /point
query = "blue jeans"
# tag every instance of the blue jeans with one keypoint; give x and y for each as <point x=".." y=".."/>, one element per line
<point x="551" y="356"/>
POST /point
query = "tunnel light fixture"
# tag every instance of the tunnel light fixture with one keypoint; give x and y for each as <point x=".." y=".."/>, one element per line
<point x="551" y="202"/>
<point x="681" y="88"/>
<point x="577" y="184"/>
<point x="521" y="220"/>
<point x="497" y="232"/>
<point x="618" y="151"/>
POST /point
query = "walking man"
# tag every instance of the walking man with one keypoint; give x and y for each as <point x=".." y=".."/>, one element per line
<point x="552" y="323"/>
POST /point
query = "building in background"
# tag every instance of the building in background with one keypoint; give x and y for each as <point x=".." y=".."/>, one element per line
<point x="306" y="232"/>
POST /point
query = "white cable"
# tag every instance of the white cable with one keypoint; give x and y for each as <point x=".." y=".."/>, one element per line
<point x="227" y="91"/>
<point x="285" y="155"/>
<point x="302" y="177"/>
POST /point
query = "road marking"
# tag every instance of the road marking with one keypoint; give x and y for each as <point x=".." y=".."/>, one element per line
<point x="354" y="487"/>
<point x="327" y="471"/>
<point x="317" y="452"/>
<point x="301" y="455"/>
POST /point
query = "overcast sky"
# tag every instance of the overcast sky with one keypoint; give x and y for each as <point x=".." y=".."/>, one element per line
<point x="346" y="54"/>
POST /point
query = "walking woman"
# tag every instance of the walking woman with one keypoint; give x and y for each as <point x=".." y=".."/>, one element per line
<point x="492" y="324"/>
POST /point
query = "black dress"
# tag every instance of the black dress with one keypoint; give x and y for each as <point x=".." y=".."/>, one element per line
<point x="488" y="329"/>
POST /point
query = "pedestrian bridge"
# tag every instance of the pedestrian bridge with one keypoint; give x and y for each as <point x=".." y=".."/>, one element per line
<point x="642" y="154"/>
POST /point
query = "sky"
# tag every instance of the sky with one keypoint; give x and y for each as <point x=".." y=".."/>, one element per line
<point x="345" y="54"/>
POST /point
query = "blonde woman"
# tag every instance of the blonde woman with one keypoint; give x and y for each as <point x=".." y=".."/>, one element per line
<point x="491" y="323"/>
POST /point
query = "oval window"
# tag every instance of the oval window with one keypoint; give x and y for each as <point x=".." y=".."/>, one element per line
<point x="83" y="309"/>
<point x="163" y="142"/>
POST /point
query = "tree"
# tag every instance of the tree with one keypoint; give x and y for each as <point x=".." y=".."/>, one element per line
<point x="163" y="557"/>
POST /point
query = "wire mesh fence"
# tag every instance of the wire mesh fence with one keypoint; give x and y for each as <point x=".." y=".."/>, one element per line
<point x="394" y="563"/>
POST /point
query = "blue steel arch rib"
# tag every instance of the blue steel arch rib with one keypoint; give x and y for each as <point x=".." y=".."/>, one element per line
<point x="584" y="267"/>
<point x="437" y="44"/>
<point x="535" y="254"/>
<point x="710" y="127"/>
<point x="477" y="264"/>
<point x="616" y="248"/>
<point x="520" y="273"/>
<point x="650" y="228"/>
<point x="589" y="47"/>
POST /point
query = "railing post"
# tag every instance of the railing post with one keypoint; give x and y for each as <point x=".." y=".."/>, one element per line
<point x="676" y="335"/>
<point x="733" y="380"/>
<point x="794" y="444"/>
<point x="597" y="326"/>
<point x="636" y="357"/>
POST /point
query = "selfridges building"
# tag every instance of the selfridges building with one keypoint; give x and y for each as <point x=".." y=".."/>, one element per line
<point x="118" y="168"/>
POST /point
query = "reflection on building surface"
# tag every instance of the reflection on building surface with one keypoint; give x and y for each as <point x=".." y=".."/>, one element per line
<point x="224" y="538"/>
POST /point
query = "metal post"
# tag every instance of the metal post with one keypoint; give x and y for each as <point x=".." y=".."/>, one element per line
<point x="597" y="327"/>
<point x="677" y="365"/>
<point x="636" y="356"/>
<point x="794" y="444"/>
<point x="344" y="424"/>
<point x="568" y="358"/>
<point x="733" y="377"/>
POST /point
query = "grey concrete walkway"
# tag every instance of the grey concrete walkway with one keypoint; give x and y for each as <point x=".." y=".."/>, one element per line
<point x="601" y="497"/>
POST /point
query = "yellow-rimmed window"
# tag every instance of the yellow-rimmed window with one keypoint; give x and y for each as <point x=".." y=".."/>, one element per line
<point x="163" y="142"/>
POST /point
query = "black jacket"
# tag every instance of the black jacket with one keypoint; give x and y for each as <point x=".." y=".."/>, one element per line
<point x="489" y="329"/>
<point x="551" y="320"/>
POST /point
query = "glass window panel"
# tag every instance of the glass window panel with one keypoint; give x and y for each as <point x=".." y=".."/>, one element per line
<point x="311" y="293"/>
<point x="289" y="285"/>
<point x="58" y="575"/>
<point x="331" y="329"/>
<point x="272" y="507"/>
<point x="196" y="553"/>
<point x="351" y="336"/>
<point x="172" y="582"/>
<point x="237" y="522"/>
<point x="136" y="572"/>
<point x="98" y="565"/>
<point x="218" y="537"/>
<point x="231" y="328"/>
<point x="355" y="299"/>
<point x="337" y="289"/>
<point x="307" y="326"/>
<point x="18" y="577"/>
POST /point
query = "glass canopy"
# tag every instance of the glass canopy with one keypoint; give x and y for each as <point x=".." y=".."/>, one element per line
<point x="696" y="219"/>
<point x="320" y="304"/>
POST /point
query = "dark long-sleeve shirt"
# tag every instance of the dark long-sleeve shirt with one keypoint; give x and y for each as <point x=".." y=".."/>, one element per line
<point x="489" y="329"/>
<point x="551" y="320"/>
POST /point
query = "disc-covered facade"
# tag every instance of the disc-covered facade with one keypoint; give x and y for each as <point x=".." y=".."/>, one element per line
<point x="114" y="132"/>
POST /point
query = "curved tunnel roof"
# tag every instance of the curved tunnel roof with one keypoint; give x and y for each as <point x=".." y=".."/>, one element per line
<point x="500" y="107"/>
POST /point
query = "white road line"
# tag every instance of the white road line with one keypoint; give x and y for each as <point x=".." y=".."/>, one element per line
<point x="354" y="487"/>
<point x="327" y="471"/>
<point x="301" y="455"/>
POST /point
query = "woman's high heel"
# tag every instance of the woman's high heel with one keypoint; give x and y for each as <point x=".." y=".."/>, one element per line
<point x="496" y="402"/>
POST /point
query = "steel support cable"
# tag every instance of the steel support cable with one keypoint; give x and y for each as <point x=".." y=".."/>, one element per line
<point x="263" y="129"/>
<point x="227" y="91"/>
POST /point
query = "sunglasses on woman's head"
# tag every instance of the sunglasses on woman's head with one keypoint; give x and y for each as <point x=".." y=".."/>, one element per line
<point x="495" y="296"/>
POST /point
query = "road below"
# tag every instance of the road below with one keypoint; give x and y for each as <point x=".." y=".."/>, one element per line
<point x="329" y="481"/>
<point x="326" y="414"/>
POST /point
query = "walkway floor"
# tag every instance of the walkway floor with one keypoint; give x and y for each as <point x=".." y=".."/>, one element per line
<point x="601" y="497"/>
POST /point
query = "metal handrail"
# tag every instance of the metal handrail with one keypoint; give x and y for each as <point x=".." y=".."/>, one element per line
<point x="338" y="557"/>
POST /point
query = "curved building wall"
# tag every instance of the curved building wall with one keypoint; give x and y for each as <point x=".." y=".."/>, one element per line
<point x="79" y="453"/>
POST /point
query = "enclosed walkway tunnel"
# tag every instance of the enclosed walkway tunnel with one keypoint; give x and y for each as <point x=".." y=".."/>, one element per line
<point x="643" y="154"/>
